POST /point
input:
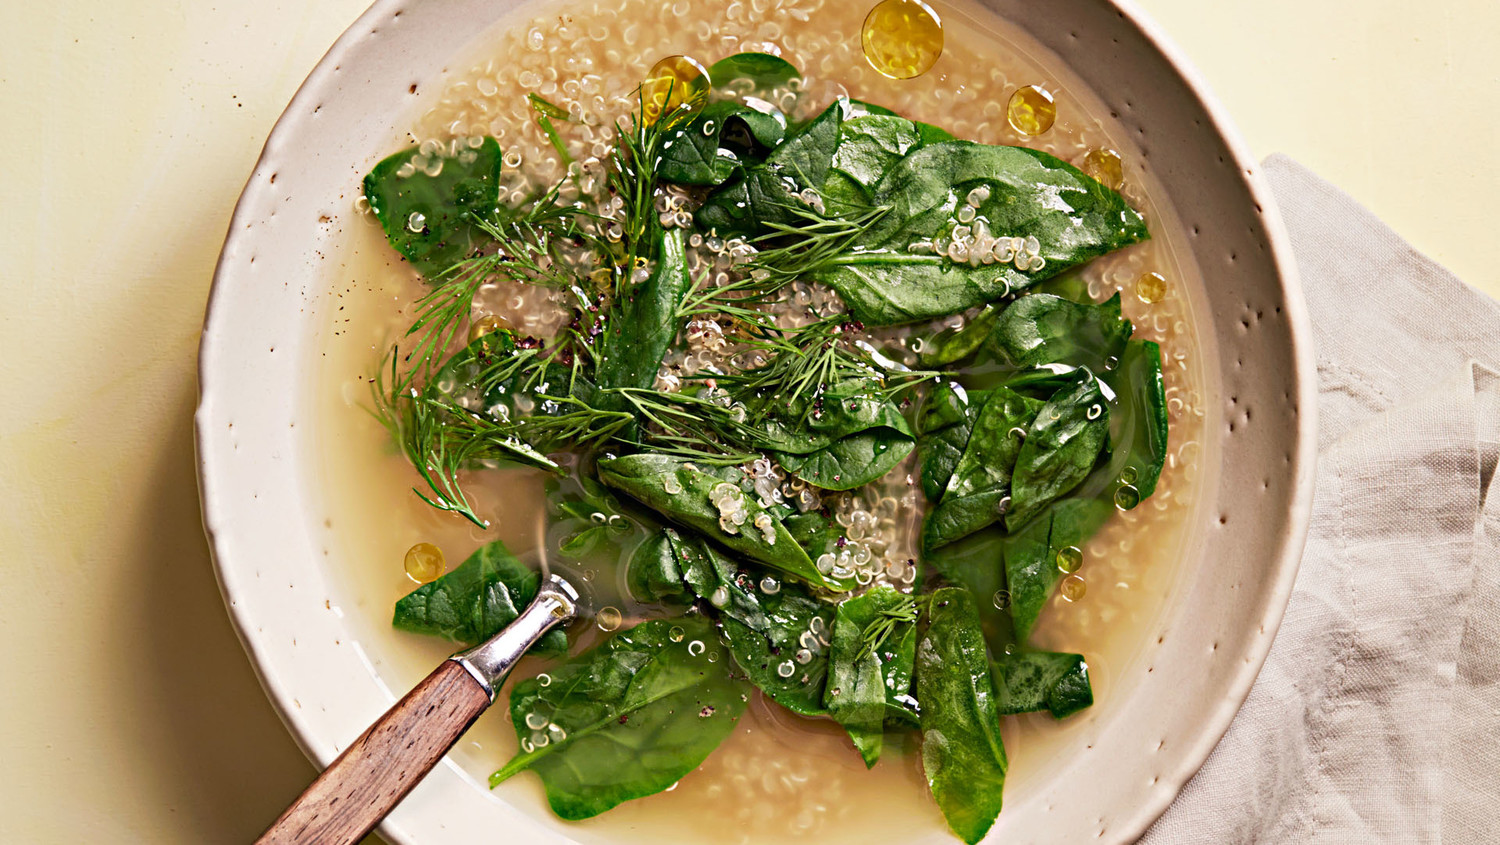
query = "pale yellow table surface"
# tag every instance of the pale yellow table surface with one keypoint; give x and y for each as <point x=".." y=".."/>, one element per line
<point x="128" y="712"/>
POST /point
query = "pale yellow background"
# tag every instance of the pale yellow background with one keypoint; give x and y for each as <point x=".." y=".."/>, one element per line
<point x="128" y="712"/>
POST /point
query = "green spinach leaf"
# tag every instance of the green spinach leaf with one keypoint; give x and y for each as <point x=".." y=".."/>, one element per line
<point x="1061" y="447"/>
<point x="430" y="219"/>
<point x="1028" y="681"/>
<point x="683" y="494"/>
<point x="962" y="754"/>
<point x="626" y="719"/>
<point x="1031" y="570"/>
<point x="886" y="281"/>
<point x="977" y="563"/>
<point x="949" y="345"/>
<point x="1045" y="329"/>
<point x="473" y="602"/>
<point x="766" y="194"/>
<point x="763" y="71"/>
<point x="1138" y="422"/>
<point x="944" y="426"/>
<point x="868" y="683"/>
<point x="978" y="493"/>
<point x="717" y="141"/>
<point x="646" y="323"/>
<point x="788" y="660"/>
<point x="671" y="565"/>
<point x="852" y="461"/>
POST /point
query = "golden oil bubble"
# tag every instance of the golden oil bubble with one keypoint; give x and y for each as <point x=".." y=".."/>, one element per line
<point x="425" y="562"/>
<point x="676" y="82"/>
<point x="608" y="618"/>
<point x="1151" y="287"/>
<point x="1069" y="559"/>
<point x="1032" y="110"/>
<point x="1127" y="497"/>
<point x="1128" y="475"/>
<point x="1106" y="167"/>
<point x="1073" y="588"/>
<point x="1001" y="599"/>
<point x="488" y="324"/>
<point x="902" y="38"/>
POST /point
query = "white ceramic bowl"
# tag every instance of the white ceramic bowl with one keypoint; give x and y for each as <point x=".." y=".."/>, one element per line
<point x="259" y="509"/>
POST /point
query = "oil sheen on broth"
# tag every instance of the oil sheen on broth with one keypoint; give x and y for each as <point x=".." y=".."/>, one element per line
<point x="779" y="777"/>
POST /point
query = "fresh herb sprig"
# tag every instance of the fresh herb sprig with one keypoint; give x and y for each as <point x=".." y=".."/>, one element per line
<point x="886" y="621"/>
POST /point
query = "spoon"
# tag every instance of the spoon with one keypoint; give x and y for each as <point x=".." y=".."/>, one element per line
<point x="371" y="777"/>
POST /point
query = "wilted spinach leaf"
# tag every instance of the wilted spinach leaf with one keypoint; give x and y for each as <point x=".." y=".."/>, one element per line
<point x="949" y="345"/>
<point x="771" y="657"/>
<point x="849" y="436"/>
<point x="763" y="71"/>
<point x="1061" y="447"/>
<point x="1138" y="425"/>
<point x="765" y="194"/>
<point x="671" y="565"/>
<point x="978" y="493"/>
<point x="852" y="461"/>
<point x="721" y="138"/>
<point x="814" y="532"/>
<point x="1031" y="194"/>
<point x="682" y="493"/>
<point x="868" y="685"/>
<point x="473" y="602"/>
<point x="646" y="321"/>
<point x="1045" y="329"/>
<point x="431" y="219"/>
<point x="962" y="754"/>
<point x="626" y="719"/>
<point x="1031" y="571"/>
<point x="977" y="563"/>
<point x="944" y="425"/>
<point x="1029" y="681"/>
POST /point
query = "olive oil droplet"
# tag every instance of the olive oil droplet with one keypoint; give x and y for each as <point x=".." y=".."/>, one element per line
<point x="1002" y="599"/>
<point x="1128" y="475"/>
<point x="1127" y="497"/>
<point x="902" y="38"/>
<point x="1073" y="587"/>
<point x="1069" y="559"/>
<point x="1151" y="287"/>
<point x="1032" y="110"/>
<point x="424" y="563"/>
<point x="608" y="618"/>
<point x="1106" y="166"/>
<point x="676" y="82"/>
<point x="488" y="324"/>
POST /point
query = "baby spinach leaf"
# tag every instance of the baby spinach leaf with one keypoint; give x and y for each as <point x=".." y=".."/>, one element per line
<point x="672" y="565"/>
<point x="645" y="322"/>
<point x="1031" y="571"/>
<point x="962" y="754"/>
<point x="682" y="493"/>
<point x="1029" y="681"/>
<point x="851" y="461"/>
<point x="949" y="345"/>
<point x="977" y="563"/>
<point x="763" y="70"/>
<point x="1045" y="329"/>
<point x="765" y="194"/>
<point x="430" y="219"/>
<point x="871" y="145"/>
<point x="473" y="602"/>
<point x="626" y="719"/>
<point x="814" y="532"/>
<point x="866" y="686"/>
<point x="1030" y="194"/>
<point x="1061" y="447"/>
<point x="944" y="426"/>
<point x="718" y="140"/>
<point x="978" y="493"/>
<point x="773" y="658"/>
<point x="1138" y="423"/>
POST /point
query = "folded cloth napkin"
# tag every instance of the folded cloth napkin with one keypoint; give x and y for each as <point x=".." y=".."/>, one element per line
<point x="1377" y="716"/>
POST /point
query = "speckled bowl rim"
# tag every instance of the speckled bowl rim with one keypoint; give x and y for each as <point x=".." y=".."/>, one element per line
<point x="238" y="382"/>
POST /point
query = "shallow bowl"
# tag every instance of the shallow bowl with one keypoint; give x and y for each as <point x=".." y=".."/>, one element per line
<point x="263" y="319"/>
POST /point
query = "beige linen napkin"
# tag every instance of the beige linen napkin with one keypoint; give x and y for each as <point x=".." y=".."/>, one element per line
<point x="1377" y="716"/>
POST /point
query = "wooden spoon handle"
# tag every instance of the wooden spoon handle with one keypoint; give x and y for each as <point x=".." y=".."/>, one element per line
<point x="376" y="772"/>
